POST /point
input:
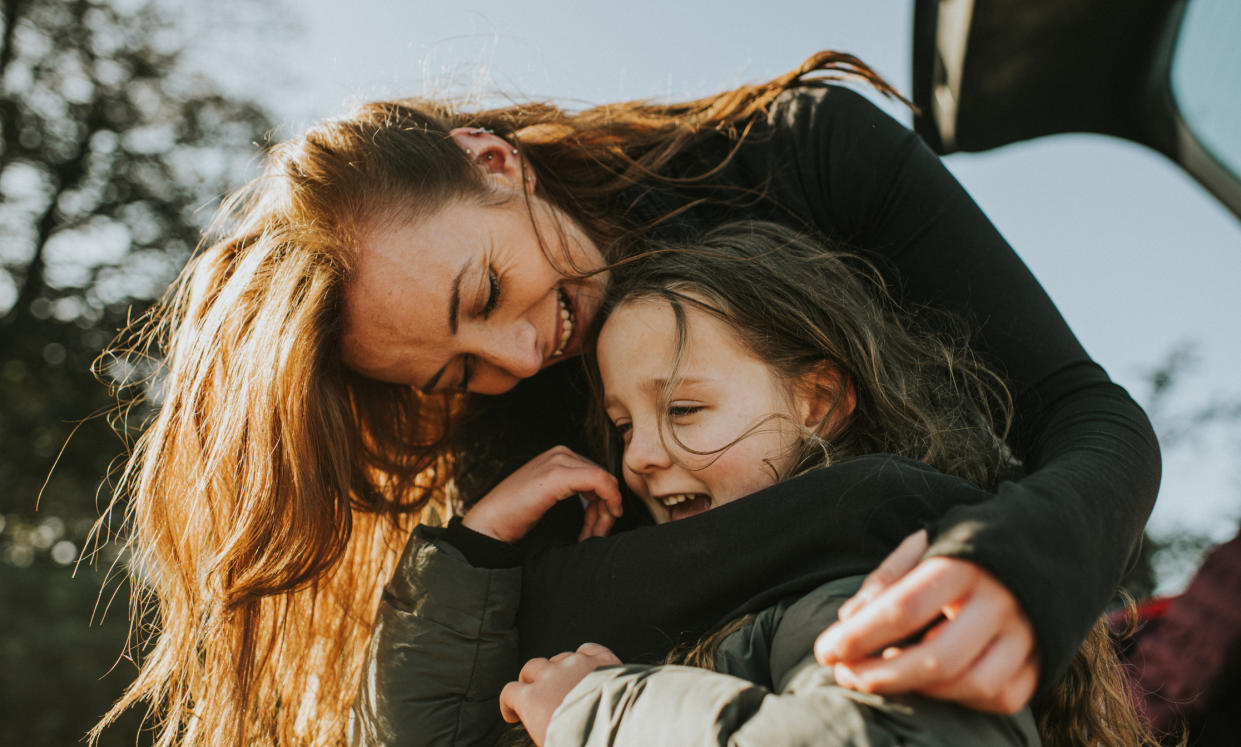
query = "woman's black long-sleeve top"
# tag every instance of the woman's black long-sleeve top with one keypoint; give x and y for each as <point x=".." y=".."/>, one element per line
<point x="1060" y="538"/>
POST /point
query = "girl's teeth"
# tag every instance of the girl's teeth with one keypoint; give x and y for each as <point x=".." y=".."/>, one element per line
<point x="675" y="500"/>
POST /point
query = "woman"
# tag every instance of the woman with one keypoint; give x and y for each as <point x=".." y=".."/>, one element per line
<point x="388" y="260"/>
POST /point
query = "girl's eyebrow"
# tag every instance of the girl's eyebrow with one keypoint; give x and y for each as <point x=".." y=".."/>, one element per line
<point x="661" y="383"/>
<point x="656" y="385"/>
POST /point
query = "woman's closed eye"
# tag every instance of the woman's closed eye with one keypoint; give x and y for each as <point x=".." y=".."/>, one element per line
<point x="493" y="293"/>
<point x="622" y="428"/>
<point x="468" y="364"/>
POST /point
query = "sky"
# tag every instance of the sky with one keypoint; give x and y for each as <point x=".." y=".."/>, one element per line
<point x="1140" y="259"/>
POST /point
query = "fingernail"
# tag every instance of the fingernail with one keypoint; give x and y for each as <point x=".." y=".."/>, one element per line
<point x="845" y="676"/>
<point x="825" y="648"/>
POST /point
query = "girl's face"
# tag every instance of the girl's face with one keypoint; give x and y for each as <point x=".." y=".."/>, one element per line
<point x="722" y="395"/>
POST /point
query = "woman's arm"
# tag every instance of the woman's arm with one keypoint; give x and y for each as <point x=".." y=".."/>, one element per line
<point x="1061" y="538"/>
<point x="799" y="704"/>
<point x="643" y="591"/>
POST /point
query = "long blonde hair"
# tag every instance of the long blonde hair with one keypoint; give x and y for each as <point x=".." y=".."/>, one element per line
<point x="267" y="500"/>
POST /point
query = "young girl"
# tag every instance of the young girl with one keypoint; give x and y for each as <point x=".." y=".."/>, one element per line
<point x="752" y="358"/>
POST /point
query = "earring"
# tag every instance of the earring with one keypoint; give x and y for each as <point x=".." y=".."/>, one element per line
<point x="490" y="156"/>
<point x="482" y="131"/>
<point x="514" y="151"/>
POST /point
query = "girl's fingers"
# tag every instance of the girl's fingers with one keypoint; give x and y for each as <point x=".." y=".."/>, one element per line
<point x="899" y="562"/>
<point x="607" y="488"/>
<point x="603" y="520"/>
<point x="587" y="480"/>
<point x="599" y="651"/>
<point x="596" y="522"/>
<point x="510" y="700"/>
<point x="898" y="612"/>
<point x="530" y="672"/>
<point x="588" y="521"/>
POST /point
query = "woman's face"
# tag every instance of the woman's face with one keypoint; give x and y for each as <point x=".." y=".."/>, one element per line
<point x="722" y="395"/>
<point x="468" y="298"/>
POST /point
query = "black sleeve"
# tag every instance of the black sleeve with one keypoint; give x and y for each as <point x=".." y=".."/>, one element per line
<point x="1062" y="537"/>
<point x="643" y="591"/>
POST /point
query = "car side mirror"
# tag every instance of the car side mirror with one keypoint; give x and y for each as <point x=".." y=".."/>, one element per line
<point x="1163" y="73"/>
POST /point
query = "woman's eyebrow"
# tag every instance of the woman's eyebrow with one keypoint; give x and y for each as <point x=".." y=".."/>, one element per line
<point x="454" y="301"/>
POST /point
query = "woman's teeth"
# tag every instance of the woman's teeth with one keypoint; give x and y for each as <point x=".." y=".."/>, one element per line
<point x="566" y="323"/>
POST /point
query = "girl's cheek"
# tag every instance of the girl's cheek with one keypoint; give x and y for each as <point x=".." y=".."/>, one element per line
<point x="635" y="483"/>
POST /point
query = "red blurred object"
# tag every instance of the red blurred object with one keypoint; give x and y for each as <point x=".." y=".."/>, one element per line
<point x="1186" y="654"/>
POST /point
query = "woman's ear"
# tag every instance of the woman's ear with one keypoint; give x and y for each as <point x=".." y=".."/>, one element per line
<point x="496" y="157"/>
<point x="826" y="399"/>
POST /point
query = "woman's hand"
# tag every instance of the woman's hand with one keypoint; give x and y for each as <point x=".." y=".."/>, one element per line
<point x="509" y="511"/>
<point x="543" y="683"/>
<point x="980" y="653"/>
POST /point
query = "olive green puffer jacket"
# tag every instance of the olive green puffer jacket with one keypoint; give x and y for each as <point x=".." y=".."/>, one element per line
<point x="768" y="690"/>
<point x="443" y="646"/>
<point x="447" y="631"/>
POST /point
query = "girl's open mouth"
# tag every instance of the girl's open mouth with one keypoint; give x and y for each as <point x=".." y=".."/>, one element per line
<point x="683" y="505"/>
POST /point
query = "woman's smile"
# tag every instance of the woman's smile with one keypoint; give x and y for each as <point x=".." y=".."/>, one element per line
<point x="475" y="296"/>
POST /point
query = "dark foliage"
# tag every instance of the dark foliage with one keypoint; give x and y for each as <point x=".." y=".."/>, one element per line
<point x="111" y="156"/>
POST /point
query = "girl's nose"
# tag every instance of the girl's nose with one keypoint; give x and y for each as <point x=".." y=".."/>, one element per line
<point x="645" y="451"/>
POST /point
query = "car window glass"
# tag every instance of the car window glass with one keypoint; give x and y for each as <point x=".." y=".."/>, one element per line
<point x="1206" y="75"/>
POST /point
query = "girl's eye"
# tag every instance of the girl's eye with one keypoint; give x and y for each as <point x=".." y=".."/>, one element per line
<point x="682" y="411"/>
<point x="622" y="428"/>
<point x="493" y="293"/>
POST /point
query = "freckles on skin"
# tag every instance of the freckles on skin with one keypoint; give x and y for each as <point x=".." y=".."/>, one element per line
<point x="389" y="299"/>
<point x="468" y="297"/>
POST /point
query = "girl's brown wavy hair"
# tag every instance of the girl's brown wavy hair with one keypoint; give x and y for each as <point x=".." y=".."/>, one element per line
<point x="799" y="307"/>
<point x="796" y="304"/>
<point x="267" y="499"/>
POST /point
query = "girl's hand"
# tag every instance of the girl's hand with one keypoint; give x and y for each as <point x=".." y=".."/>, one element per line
<point x="509" y="511"/>
<point x="543" y="683"/>
<point x="980" y="654"/>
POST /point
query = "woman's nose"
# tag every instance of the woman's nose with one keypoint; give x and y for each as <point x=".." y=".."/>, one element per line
<point x="645" y="451"/>
<point x="517" y="350"/>
<point x="510" y="354"/>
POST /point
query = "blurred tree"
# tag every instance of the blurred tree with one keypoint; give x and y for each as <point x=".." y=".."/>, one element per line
<point x="112" y="153"/>
<point x="1171" y="555"/>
